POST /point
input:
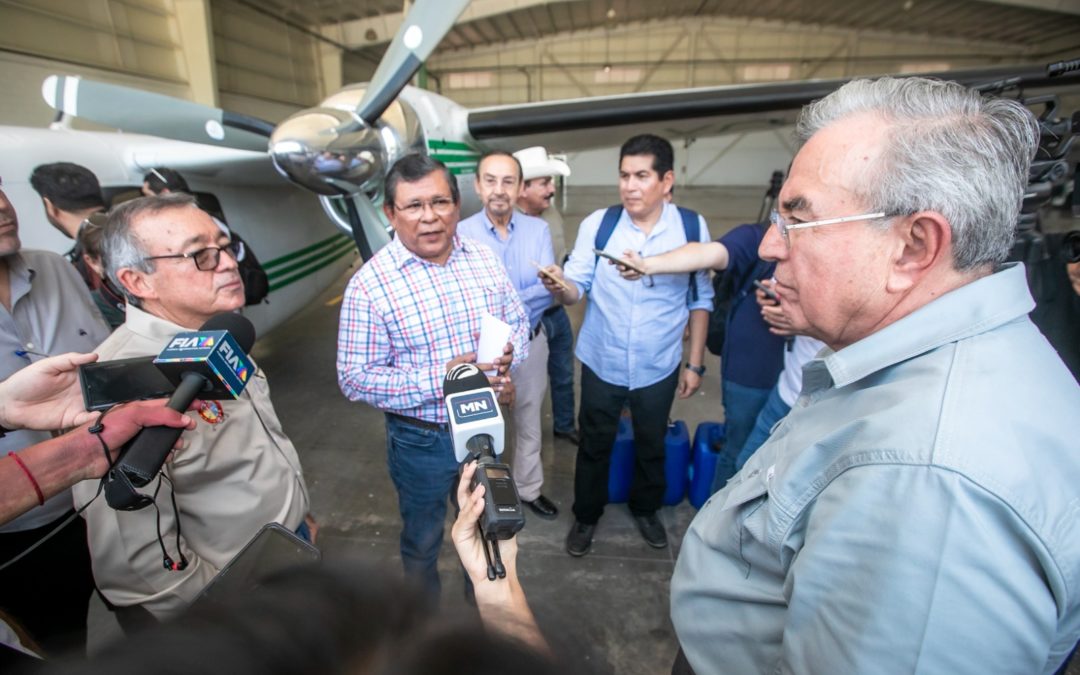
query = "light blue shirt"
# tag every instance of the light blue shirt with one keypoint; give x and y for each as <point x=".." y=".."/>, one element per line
<point x="528" y="241"/>
<point x="632" y="333"/>
<point x="916" y="512"/>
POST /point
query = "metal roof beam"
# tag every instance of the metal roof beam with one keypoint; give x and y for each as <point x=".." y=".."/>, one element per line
<point x="354" y="34"/>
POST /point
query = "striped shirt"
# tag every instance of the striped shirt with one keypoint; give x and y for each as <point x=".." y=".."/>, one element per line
<point x="404" y="318"/>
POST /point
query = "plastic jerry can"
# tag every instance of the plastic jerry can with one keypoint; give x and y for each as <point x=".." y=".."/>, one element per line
<point x="676" y="462"/>
<point x="709" y="440"/>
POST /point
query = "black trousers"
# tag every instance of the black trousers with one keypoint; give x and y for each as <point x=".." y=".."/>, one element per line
<point x="598" y="418"/>
<point x="48" y="591"/>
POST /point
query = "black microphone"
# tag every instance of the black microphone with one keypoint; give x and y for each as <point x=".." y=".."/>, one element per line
<point x="210" y="361"/>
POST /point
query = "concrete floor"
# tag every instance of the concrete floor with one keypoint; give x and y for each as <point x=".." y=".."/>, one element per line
<point x="607" y="611"/>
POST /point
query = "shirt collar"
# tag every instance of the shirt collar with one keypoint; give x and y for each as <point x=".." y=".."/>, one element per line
<point x="667" y="212"/>
<point x="401" y="256"/>
<point x="491" y="226"/>
<point x="147" y="325"/>
<point x="972" y="309"/>
<point x="21" y="275"/>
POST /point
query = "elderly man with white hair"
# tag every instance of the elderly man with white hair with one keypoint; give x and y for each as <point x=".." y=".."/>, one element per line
<point x="916" y="512"/>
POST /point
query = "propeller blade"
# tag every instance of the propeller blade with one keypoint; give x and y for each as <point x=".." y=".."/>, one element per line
<point x="374" y="228"/>
<point x="425" y="26"/>
<point x="154" y="114"/>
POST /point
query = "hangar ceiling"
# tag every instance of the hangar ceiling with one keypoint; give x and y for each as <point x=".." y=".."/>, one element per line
<point x="366" y="25"/>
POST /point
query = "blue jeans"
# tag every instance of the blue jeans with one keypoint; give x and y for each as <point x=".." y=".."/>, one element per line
<point x="425" y="473"/>
<point x="560" y="367"/>
<point x="773" y="411"/>
<point x="741" y="407"/>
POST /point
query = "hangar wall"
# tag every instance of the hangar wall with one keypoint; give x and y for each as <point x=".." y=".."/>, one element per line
<point x="220" y="53"/>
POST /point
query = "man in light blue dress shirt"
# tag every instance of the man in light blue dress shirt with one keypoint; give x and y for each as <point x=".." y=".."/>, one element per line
<point x="917" y="510"/>
<point x="630" y="345"/>
<point x="522" y="243"/>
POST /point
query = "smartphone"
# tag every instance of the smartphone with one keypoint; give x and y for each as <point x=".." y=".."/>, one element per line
<point x="770" y="293"/>
<point x="273" y="549"/>
<point x="106" y="383"/>
<point x="620" y="261"/>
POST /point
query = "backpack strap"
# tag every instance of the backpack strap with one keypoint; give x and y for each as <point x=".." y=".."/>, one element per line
<point x="607" y="226"/>
<point x="692" y="227"/>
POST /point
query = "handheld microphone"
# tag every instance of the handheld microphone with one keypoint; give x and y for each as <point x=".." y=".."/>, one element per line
<point x="210" y="362"/>
<point x="477" y="429"/>
<point x="476" y="422"/>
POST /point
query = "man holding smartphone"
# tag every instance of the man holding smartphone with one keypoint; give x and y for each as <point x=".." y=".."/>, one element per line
<point x="752" y="355"/>
<point x="630" y="344"/>
<point x="521" y="242"/>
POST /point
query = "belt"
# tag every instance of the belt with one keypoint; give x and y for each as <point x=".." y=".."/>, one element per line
<point x="536" y="331"/>
<point x="421" y="424"/>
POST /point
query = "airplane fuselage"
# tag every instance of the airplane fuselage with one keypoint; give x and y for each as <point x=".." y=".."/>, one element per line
<point x="285" y="226"/>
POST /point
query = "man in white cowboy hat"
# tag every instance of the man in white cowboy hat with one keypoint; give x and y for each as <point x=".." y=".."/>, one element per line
<point x="539" y="171"/>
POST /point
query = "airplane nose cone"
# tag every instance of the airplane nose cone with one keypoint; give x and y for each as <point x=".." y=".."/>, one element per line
<point x="328" y="151"/>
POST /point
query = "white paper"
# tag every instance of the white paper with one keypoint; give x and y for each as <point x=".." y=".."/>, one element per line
<point x="494" y="334"/>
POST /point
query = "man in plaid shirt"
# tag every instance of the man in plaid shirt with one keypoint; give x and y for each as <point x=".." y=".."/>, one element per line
<point x="409" y="314"/>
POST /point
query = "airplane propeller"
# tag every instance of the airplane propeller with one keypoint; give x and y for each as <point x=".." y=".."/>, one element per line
<point x="424" y="28"/>
<point x="154" y="114"/>
<point x="341" y="148"/>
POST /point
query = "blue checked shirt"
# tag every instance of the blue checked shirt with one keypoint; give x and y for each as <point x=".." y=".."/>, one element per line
<point x="632" y="333"/>
<point x="403" y="319"/>
<point x="529" y="241"/>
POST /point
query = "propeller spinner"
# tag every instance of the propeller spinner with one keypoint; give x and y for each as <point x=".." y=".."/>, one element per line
<point x="345" y="145"/>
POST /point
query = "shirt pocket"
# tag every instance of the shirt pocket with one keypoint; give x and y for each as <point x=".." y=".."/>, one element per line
<point x="491" y="295"/>
<point x="748" y="517"/>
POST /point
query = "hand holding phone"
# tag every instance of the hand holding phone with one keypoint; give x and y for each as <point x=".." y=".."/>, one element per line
<point x="767" y="291"/>
<point x="548" y="275"/>
<point x="620" y="261"/>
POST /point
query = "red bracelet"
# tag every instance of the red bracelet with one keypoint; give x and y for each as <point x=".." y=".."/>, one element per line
<point x="37" y="488"/>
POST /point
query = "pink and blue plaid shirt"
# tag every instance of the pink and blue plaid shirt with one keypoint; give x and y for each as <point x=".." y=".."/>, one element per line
<point x="403" y="319"/>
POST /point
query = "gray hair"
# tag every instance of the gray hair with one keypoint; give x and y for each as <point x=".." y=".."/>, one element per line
<point x="948" y="149"/>
<point x="122" y="247"/>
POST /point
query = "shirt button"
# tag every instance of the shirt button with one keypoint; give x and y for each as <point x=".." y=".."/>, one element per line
<point x="754" y="473"/>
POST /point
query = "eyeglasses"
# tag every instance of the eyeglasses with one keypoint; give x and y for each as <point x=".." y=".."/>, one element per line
<point x="414" y="210"/>
<point x="783" y="225"/>
<point x="207" y="259"/>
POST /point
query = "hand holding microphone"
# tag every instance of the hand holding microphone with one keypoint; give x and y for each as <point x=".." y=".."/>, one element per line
<point x="210" y="362"/>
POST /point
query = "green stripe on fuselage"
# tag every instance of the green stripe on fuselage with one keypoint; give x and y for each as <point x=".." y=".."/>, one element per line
<point x="313" y="258"/>
<point x="325" y="243"/>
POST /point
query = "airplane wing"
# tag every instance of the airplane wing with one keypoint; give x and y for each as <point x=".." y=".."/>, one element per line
<point x="607" y="121"/>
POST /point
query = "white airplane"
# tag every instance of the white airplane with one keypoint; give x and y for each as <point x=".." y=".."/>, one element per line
<point x="339" y="151"/>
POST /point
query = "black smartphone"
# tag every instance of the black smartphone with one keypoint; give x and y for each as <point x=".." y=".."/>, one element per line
<point x="618" y="260"/>
<point x="106" y="383"/>
<point x="767" y="291"/>
<point x="273" y="549"/>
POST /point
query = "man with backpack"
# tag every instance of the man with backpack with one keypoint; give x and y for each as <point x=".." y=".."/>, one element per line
<point x="751" y="355"/>
<point x="630" y="344"/>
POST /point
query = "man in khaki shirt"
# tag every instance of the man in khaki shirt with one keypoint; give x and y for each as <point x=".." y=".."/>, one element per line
<point x="238" y="471"/>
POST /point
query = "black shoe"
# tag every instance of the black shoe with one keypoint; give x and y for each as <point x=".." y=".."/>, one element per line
<point x="579" y="539"/>
<point x="543" y="507"/>
<point x="571" y="436"/>
<point x="652" y="530"/>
